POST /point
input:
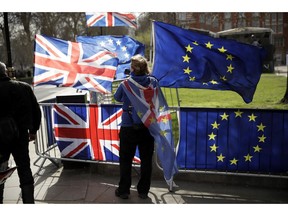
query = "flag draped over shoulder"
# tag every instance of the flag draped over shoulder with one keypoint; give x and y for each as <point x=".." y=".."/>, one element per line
<point x="72" y="64"/>
<point x="153" y="110"/>
<point x="187" y="59"/>
<point x="108" y="19"/>
<point x="124" y="47"/>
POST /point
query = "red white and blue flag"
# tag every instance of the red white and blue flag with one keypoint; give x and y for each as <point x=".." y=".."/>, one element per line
<point x="153" y="110"/>
<point x="123" y="46"/>
<point x="109" y="19"/>
<point x="71" y="64"/>
<point x="88" y="132"/>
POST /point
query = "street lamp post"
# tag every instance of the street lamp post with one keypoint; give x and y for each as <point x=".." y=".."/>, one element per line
<point x="8" y="48"/>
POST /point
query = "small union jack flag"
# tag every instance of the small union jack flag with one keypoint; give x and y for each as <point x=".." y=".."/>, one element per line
<point x="88" y="132"/>
<point x="72" y="64"/>
<point x="109" y="19"/>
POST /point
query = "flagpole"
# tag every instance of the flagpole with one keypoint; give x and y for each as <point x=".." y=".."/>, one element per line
<point x="151" y="43"/>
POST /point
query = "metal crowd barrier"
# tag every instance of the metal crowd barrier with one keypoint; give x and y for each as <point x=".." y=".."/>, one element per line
<point x="213" y="141"/>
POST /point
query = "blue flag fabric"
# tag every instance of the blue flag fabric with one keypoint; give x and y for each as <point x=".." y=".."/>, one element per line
<point x="233" y="140"/>
<point x="123" y="46"/>
<point x="186" y="59"/>
<point x="153" y="110"/>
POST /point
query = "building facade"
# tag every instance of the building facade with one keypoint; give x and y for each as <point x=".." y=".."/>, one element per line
<point x="216" y="22"/>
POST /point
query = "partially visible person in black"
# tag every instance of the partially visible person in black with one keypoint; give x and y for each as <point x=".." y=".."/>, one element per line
<point x="18" y="100"/>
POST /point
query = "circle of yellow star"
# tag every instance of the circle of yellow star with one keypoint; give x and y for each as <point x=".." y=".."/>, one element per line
<point x="229" y="57"/>
<point x="214" y="147"/>
<point x="238" y="113"/>
<point x="252" y="117"/>
<point x="220" y="158"/>
<point x="230" y="68"/>
<point x="209" y="45"/>
<point x="222" y="49"/>
<point x="212" y="136"/>
<point x="187" y="70"/>
<point x="189" y="48"/>
<point x="261" y="127"/>
<point x="262" y="138"/>
<point x="248" y="157"/>
<point x="186" y="58"/>
<point x="234" y="161"/>
<point x="224" y="116"/>
<point x="215" y="125"/>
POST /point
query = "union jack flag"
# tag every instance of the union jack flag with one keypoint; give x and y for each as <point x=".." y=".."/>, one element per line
<point x="152" y="108"/>
<point x="88" y="132"/>
<point x="108" y="19"/>
<point x="72" y="64"/>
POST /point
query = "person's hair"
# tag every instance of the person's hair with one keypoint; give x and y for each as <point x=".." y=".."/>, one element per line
<point x="139" y="65"/>
<point x="3" y="68"/>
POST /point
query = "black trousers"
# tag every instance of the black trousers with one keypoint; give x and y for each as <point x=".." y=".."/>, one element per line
<point x="130" y="138"/>
<point x="20" y="152"/>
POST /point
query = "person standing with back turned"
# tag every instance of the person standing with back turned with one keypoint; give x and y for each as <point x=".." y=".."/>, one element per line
<point x="133" y="133"/>
<point x="18" y="101"/>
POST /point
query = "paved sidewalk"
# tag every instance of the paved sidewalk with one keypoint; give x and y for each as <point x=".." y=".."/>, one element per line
<point x="95" y="184"/>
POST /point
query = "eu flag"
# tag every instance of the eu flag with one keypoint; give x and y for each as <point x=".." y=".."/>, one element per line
<point x="123" y="46"/>
<point x="186" y="59"/>
<point x="233" y="140"/>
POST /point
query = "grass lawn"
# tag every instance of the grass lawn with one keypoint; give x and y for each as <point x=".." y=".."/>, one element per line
<point x="270" y="90"/>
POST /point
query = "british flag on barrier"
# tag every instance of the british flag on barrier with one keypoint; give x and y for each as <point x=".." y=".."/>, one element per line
<point x="88" y="132"/>
<point x="108" y="19"/>
<point x="72" y="64"/>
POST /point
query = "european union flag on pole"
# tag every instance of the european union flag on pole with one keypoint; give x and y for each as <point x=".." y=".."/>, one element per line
<point x="186" y="59"/>
<point x="123" y="46"/>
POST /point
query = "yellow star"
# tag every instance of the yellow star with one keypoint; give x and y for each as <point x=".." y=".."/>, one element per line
<point x="230" y="68"/>
<point x="224" y="116"/>
<point x="152" y="120"/>
<point x="234" y="161"/>
<point x="186" y="58"/>
<point x="204" y="83"/>
<point x="165" y="120"/>
<point x="140" y="114"/>
<point x="223" y="78"/>
<point x="195" y="43"/>
<point x="161" y="108"/>
<point x="189" y="48"/>
<point x="257" y="148"/>
<point x="262" y="138"/>
<point x="252" y="117"/>
<point x="248" y="157"/>
<point x="212" y="136"/>
<point x="213" y="82"/>
<point x="163" y="133"/>
<point x="215" y="125"/>
<point x="238" y="113"/>
<point x="229" y="57"/>
<point x="261" y="127"/>
<point x="220" y="158"/>
<point x="187" y="71"/>
<point x="222" y="50"/>
<point x="209" y="45"/>
<point x="192" y="78"/>
<point x="214" y="148"/>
